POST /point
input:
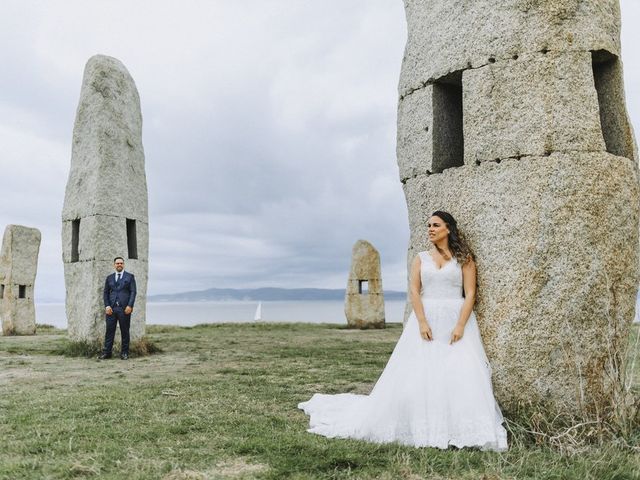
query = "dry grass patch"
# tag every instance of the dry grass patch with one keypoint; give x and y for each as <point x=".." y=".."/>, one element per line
<point x="220" y="402"/>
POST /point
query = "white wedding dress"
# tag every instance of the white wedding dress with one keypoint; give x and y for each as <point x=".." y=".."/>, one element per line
<point x="430" y="394"/>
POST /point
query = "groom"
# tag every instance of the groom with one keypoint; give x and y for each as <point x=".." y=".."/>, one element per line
<point x="119" y="296"/>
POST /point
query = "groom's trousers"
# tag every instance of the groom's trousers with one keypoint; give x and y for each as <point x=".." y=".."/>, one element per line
<point x="118" y="317"/>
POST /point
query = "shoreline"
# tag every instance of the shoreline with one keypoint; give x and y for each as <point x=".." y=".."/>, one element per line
<point x="206" y="312"/>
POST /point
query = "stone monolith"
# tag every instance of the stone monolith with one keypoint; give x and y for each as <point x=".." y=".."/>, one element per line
<point x="364" y="299"/>
<point x="18" y="268"/>
<point x="512" y="117"/>
<point x="105" y="207"/>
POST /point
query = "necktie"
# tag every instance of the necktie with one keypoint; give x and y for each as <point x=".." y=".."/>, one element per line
<point x="118" y="277"/>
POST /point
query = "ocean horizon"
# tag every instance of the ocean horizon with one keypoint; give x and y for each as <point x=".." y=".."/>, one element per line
<point x="187" y="314"/>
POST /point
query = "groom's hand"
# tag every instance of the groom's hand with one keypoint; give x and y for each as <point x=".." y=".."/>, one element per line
<point x="128" y="310"/>
<point x="108" y="311"/>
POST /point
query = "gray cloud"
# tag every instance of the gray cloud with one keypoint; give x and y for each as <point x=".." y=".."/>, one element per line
<point x="269" y="131"/>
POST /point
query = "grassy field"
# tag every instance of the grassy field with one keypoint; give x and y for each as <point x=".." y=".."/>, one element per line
<point x="220" y="402"/>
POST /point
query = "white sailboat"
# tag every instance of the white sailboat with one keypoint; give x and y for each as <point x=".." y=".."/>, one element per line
<point x="258" y="316"/>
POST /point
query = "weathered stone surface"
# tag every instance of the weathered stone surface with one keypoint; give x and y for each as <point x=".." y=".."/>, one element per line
<point x="617" y="130"/>
<point x="18" y="268"/>
<point x="364" y="298"/>
<point x="548" y="194"/>
<point x="415" y="133"/>
<point x="430" y="121"/>
<point x="556" y="245"/>
<point x="106" y="197"/>
<point x="444" y="36"/>
<point x="534" y="105"/>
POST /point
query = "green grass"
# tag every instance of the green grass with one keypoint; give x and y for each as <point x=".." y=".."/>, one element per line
<point x="220" y="402"/>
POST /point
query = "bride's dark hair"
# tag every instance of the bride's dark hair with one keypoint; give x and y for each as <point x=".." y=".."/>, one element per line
<point x="457" y="244"/>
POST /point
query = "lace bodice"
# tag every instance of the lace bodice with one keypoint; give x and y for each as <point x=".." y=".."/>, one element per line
<point x="440" y="283"/>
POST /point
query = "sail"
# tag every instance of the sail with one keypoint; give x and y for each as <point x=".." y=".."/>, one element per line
<point x="258" y="315"/>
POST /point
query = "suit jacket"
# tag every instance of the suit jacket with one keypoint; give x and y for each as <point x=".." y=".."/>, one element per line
<point x="121" y="294"/>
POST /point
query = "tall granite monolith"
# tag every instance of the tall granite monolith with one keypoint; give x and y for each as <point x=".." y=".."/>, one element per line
<point x="18" y="268"/>
<point x="105" y="207"/>
<point x="364" y="298"/>
<point x="512" y="117"/>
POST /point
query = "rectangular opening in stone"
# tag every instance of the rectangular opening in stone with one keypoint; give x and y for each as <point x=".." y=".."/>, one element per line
<point x="609" y="83"/>
<point x="1" y="291"/>
<point x="75" y="240"/>
<point x="22" y="291"/>
<point x="363" y="287"/>
<point x="132" y="241"/>
<point x="448" y="138"/>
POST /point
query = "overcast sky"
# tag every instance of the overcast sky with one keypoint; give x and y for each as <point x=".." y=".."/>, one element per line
<point x="269" y="131"/>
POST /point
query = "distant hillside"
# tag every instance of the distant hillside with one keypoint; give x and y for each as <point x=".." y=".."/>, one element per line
<point x="262" y="294"/>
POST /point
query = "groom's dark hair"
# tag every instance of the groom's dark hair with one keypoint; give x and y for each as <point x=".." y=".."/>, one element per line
<point x="114" y="260"/>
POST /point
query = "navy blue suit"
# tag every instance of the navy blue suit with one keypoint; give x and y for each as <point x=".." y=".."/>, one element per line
<point x="118" y="295"/>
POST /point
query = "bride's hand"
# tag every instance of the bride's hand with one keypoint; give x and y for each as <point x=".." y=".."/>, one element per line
<point x="425" y="331"/>
<point x="457" y="334"/>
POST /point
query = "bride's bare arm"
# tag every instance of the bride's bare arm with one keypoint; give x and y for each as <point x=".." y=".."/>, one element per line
<point x="415" y="286"/>
<point x="469" y="285"/>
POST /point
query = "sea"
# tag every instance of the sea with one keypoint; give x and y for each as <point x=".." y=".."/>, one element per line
<point x="187" y="314"/>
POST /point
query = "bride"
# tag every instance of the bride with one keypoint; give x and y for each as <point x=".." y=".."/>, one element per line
<point x="436" y="388"/>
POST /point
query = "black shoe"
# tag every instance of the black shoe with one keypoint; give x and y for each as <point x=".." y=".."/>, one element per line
<point x="124" y="356"/>
<point x="104" y="356"/>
